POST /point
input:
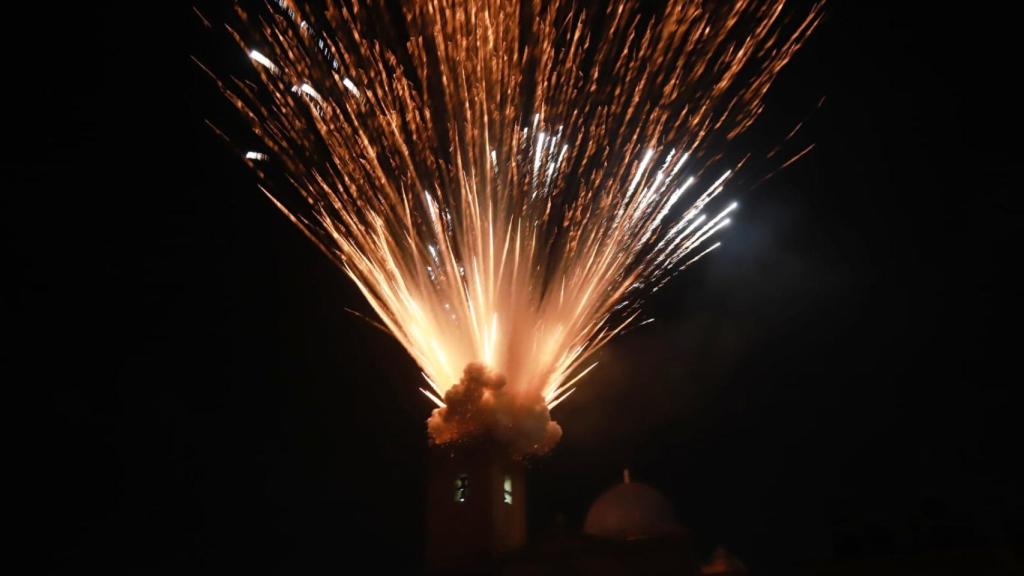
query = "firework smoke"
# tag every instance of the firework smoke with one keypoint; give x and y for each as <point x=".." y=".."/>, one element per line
<point x="507" y="184"/>
<point x="481" y="404"/>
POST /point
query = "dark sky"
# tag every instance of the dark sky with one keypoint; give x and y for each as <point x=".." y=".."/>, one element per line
<point x="837" y="383"/>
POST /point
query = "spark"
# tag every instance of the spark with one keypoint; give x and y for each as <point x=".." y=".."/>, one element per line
<point x="351" y="87"/>
<point x="309" y="90"/>
<point x="257" y="56"/>
<point x="432" y="398"/>
<point x="798" y="156"/>
<point x="531" y="264"/>
<point x="560" y="399"/>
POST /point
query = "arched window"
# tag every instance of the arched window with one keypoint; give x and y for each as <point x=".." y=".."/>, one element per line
<point x="461" y="487"/>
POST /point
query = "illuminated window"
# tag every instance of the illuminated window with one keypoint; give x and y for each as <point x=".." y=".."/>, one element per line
<point x="508" y="489"/>
<point x="461" y="487"/>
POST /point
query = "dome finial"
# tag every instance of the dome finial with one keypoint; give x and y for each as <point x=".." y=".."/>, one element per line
<point x="625" y="475"/>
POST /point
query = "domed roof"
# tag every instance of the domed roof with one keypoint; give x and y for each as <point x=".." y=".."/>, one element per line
<point x="630" y="511"/>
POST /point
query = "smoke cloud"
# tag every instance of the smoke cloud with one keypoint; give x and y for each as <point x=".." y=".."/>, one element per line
<point x="480" y="404"/>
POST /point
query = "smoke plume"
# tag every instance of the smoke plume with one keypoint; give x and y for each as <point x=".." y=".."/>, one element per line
<point x="480" y="404"/>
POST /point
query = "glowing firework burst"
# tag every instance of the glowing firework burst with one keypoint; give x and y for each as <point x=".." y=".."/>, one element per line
<point x="506" y="185"/>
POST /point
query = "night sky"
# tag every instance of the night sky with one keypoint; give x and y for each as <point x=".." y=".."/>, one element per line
<point x="836" y="384"/>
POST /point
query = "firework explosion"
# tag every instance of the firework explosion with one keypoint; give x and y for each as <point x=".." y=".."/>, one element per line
<point x="507" y="182"/>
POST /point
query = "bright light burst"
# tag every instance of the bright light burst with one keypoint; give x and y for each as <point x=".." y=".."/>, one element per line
<point x="507" y="185"/>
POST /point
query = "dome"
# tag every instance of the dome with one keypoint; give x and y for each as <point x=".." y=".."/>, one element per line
<point x="630" y="511"/>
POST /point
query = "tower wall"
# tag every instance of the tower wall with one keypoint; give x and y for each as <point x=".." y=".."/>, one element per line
<point x="475" y="506"/>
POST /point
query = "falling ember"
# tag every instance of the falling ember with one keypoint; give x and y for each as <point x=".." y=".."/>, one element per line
<point x="506" y="186"/>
